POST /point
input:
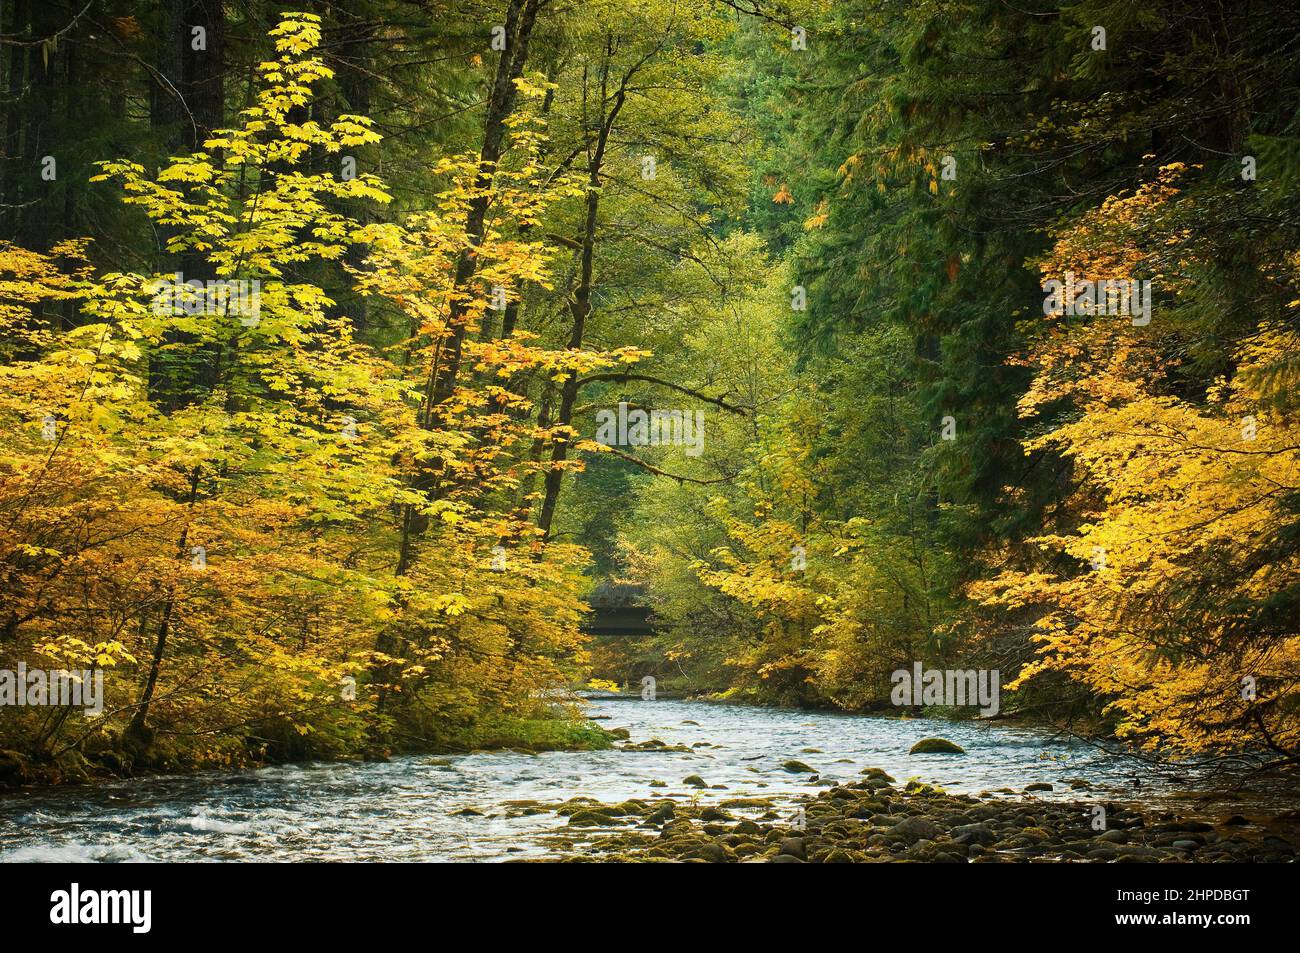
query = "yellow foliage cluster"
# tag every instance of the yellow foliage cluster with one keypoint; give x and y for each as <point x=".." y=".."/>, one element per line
<point x="294" y="515"/>
<point x="1168" y="586"/>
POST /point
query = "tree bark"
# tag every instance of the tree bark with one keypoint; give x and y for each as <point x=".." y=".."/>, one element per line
<point x="137" y="728"/>
<point x="580" y="304"/>
<point x="520" y="18"/>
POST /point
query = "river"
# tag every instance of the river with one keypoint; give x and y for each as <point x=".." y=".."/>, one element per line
<point x="407" y="809"/>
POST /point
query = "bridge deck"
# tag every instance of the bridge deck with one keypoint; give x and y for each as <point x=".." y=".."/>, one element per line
<point x="618" y="609"/>
<point x="619" y="620"/>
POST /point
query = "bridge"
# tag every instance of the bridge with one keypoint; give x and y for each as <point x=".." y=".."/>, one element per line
<point x="618" y="609"/>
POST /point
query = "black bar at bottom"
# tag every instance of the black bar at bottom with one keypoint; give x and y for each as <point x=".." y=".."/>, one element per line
<point x="341" y="903"/>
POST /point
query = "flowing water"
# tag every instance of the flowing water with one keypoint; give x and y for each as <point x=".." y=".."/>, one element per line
<point x="407" y="809"/>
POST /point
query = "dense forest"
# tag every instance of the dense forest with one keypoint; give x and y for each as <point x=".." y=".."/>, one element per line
<point x="346" y="347"/>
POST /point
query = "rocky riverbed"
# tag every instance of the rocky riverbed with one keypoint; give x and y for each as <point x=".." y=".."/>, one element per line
<point x="876" y="820"/>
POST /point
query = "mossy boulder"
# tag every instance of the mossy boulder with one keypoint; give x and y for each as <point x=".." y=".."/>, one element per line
<point x="119" y="762"/>
<point x="635" y="807"/>
<point x="916" y="827"/>
<point x="13" y="769"/>
<point x="798" y="767"/>
<point x="694" y="781"/>
<point x="575" y="804"/>
<point x="712" y="853"/>
<point x="664" y="812"/>
<point x="590" y="819"/>
<point x="74" y="767"/>
<point x="973" y="834"/>
<point x="793" y="847"/>
<point x="877" y="774"/>
<point x="936" y="746"/>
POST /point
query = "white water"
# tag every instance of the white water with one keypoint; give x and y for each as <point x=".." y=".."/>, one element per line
<point x="405" y="809"/>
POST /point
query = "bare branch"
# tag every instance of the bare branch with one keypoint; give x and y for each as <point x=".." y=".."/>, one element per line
<point x="624" y="377"/>
<point x="651" y="468"/>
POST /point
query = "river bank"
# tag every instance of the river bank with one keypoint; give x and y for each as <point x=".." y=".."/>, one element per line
<point x="112" y="759"/>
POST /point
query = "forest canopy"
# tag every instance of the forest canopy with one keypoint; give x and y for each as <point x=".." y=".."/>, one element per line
<point x="346" y="348"/>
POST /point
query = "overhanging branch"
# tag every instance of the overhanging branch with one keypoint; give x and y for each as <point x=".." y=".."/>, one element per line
<point x="651" y="468"/>
<point x="624" y="377"/>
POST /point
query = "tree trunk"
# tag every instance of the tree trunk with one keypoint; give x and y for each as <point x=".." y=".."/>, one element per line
<point x="580" y="305"/>
<point x="15" y="159"/>
<point x="501" y="103"/>
<point x="137" y="727"/>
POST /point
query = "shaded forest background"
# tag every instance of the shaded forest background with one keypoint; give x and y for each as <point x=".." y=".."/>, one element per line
<point x="476" y="225"/>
